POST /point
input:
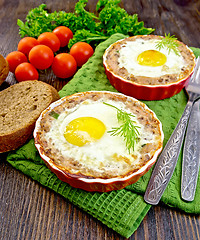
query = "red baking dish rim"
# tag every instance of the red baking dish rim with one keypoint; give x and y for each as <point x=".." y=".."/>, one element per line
<point x="144" y="92"/>
<point x="93" y="184"/>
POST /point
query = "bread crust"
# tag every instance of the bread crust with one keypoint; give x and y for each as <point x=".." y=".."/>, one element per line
<point x="4" y="69"/>
<point x="17" y="134"/>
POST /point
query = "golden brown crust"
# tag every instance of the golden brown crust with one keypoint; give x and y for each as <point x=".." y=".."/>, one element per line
<point x="21" y="105"/>
<point x="4" y="69"/>
<point x="112" y="55"/>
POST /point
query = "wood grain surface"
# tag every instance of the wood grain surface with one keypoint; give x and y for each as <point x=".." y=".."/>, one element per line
<point x="31" y="211"/>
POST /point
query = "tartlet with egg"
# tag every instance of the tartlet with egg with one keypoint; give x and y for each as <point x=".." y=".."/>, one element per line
<point x="76" y="137"/>
<point x="149" y="67"/>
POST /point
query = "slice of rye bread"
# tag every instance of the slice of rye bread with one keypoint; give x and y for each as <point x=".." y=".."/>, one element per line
<point x="20" y="106"/>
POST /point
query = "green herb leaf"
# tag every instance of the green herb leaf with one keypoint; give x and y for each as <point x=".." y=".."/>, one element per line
<point x="128" y="130"/>
<point x="170" y="43"/>
<point x="114" y="19"/>
<point x="54" y="114"/>
<point x="86" y="36"/>
<point x="86" y="26"/>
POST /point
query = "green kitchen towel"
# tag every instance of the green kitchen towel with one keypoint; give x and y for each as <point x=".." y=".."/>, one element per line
<point x="121" y="210"/>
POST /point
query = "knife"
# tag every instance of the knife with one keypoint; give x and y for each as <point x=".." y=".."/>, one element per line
<point x="191" y="155"/>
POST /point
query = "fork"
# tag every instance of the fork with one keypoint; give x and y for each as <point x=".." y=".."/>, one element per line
<point x="191" y="155"/>
<point x="166" y="163"/>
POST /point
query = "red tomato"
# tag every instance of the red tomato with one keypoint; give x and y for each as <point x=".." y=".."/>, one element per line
<point x="41" y="57"/>
<point x="14" y="59"/>
<point x="51" y="40"/>
<point x="26" y="44"/>
<point x="64" y="65"/>
<point x="81" y="51"/>
<point x="26" y="71"/>
<point x="64" y="34"/>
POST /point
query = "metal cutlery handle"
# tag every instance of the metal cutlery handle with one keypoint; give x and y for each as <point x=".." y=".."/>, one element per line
<point x="191" y="151"/>
<point x="166" y="163"/>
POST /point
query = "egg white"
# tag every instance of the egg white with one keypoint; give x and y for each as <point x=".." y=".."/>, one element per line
<point x="130" y="51"/>
<point x="98" y="154"/>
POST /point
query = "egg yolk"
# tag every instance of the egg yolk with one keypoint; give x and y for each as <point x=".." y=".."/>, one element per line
<point x="84" y="130"/>
<point x="151" y="58"/>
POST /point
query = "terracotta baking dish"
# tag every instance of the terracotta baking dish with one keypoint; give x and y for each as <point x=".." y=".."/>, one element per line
<point x="80" y="180"/>
<point x="145" y="91"/>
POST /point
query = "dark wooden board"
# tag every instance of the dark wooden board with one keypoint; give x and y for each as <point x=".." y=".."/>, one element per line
<point x="31" y="211"/>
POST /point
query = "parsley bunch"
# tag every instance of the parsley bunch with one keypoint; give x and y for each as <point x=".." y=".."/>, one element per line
<point x="86" y="26"/>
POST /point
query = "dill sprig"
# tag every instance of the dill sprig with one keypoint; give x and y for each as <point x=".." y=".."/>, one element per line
<point x="128" y="130"/>
<point x="170" y="43"/>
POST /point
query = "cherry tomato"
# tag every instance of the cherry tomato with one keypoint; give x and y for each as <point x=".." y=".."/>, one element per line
<point x="64" y="65"/>
<point x="41" y="57"/>
<point x="64" y="34"/>
<point x="26" y="44"/>
<point x="26" y="71"/>
<point x="50" y="39"/>
<point x="81" y="51"/>
<point x="14" y="59"/>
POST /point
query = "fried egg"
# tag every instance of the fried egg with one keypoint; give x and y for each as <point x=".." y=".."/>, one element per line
<point x="142" y="58"/>
<point x="82" y="133"/>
